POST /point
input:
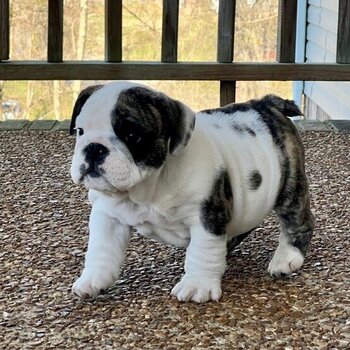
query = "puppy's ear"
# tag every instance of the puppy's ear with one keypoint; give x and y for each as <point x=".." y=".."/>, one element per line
<point x="79" y="103"/>
<point x="182" y="121"/>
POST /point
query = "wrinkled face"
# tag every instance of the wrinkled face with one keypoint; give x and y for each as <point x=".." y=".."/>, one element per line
<point x="125" y="132"/>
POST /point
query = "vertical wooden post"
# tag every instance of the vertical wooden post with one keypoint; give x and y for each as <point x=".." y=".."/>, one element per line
<point x="113" y="30"/>
<point x="4" y="30"/>
<point x="226" y="29"/>
<point x="286" y="35"/>
<point x="343" y="40"/>
<point x="55" y="31"/>
<point x="170" y="30"/>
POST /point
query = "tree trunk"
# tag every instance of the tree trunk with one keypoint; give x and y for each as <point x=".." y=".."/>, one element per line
<point x="56" y="99"/>
<point x="2" y="117"/>
<point x="80" y="44"/>
<point x="29" y="99"/>
<point x="30" y="84"/>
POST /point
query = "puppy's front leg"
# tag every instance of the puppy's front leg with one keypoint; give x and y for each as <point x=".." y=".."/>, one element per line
<point x="108" y="241"/>
<point x="205" y="264"/>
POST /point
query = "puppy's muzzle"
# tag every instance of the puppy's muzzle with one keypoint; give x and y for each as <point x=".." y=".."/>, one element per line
<point x="95" y="155"/>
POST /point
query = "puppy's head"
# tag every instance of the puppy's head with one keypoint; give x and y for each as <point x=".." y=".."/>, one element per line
<point x="125" y="132"/>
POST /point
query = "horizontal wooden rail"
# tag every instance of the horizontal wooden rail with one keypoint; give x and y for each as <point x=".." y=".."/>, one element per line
<point x="98" y="70"/>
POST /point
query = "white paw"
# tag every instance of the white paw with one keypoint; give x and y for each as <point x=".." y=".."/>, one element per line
<point x="92" y="283"/>
<point x="285" y="261"/>
<point x="199" y="290"/>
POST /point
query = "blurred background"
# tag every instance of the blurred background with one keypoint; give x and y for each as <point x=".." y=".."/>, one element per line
<point x="255" y="41"/>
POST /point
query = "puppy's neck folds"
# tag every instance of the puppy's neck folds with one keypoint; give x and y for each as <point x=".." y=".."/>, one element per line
<point x="145" y="191"/>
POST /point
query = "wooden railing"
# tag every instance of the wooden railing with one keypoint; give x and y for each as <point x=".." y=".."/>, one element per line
<point x="224" y="70"/>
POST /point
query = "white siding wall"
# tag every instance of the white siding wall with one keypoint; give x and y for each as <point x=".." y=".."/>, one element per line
<point x="321" y="35"/>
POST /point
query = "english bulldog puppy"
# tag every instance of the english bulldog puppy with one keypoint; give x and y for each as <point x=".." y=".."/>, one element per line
<point x="200" y="181"/>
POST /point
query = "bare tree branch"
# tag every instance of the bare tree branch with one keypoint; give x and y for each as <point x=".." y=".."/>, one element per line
<point x="140" y="19"/>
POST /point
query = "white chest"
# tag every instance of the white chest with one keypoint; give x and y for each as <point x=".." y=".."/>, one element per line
<point x="166" y="225"/>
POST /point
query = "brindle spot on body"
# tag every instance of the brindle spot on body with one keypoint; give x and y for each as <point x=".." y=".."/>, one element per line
<point x="216" y="210"/>
<point x="250" y="131"/>
<point x="232" y="109"/>
<point x="237" y="128"/>
<point x="229" y="109"/>
<point x="255" y="180"/>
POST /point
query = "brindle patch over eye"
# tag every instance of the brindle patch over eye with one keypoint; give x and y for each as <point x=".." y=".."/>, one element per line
<point x="143" y="114"/>
<point x="131" y="133"/>
<point x="145" y="146"/>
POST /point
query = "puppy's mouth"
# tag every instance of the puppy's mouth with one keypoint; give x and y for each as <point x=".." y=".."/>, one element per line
<point x="92" y="171"/>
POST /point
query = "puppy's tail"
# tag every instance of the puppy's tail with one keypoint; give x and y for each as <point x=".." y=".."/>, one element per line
<point x="286" y="107"/>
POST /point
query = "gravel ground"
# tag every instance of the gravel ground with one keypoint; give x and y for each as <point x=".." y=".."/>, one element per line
<point x="43" y="231"/>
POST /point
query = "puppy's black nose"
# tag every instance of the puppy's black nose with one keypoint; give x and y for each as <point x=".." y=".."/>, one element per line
<point x="95" y="153"/>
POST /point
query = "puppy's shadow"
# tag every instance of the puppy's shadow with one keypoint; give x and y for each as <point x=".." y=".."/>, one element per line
<point x="152" y="268"/>
<point x="249" y="259"/>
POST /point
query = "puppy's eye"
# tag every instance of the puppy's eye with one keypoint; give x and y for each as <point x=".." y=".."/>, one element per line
<point x="132" y="137"/>
<point x="80" y="131"/>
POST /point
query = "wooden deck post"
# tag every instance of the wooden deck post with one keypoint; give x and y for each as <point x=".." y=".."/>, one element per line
<point x="170" y="30"/>
<point x="113" y="30"/>
<point x="55" y="31"/>
<point x="343" y="39"/>
<point x="4" y="30"/>
<point x="286" y="35"/>
<point x="226" y="29"/>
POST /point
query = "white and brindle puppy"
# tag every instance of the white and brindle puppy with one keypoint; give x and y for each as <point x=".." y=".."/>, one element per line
<point x="200" y="181"/>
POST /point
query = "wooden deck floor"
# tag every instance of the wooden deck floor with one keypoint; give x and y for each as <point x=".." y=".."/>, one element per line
<point x="43" y="234"/>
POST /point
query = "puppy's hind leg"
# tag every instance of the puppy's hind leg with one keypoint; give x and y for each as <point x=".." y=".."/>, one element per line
<point x="297" y="225"/>
<point x="295" y="236"/>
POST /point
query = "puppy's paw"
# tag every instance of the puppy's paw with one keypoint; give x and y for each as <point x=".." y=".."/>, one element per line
<point x="197" y="289"/>
<point x="91" y="284"/>
<point x="286" y="260"/>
